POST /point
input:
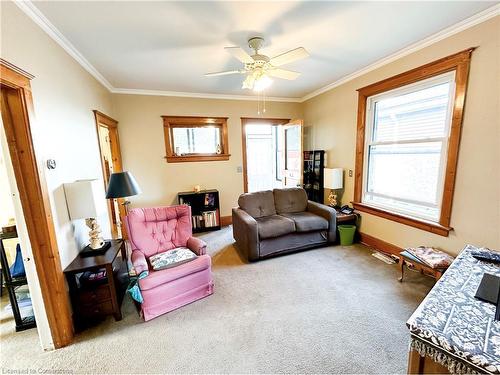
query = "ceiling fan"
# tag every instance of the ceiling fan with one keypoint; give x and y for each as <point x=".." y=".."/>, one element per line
<point x="259" y="68"/>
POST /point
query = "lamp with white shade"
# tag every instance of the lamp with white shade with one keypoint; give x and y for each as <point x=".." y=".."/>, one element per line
<point x="85" y="200"/>
<point x="333" y="179"/>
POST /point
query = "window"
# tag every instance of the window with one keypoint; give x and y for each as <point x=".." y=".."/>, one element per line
<point x="408" y="133"/>
<point x="195" y="138"/>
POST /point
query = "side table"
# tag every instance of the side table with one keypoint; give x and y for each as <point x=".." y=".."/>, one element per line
<point x="97" y="299"/>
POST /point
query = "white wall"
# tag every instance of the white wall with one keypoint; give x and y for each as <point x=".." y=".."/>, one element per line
<point x="143" y="146"/>
<point x="476" y="204"/>
<point x="64" y="96"/>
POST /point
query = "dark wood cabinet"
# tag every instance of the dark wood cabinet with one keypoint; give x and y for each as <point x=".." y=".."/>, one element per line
<point x="314" y="164"/>
<point x="205" y="211"/>
<point x="94" y="299"/>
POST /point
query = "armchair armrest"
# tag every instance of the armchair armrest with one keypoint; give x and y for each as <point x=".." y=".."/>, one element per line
<point x="197" y="246"/>
<point x="139" y="261"/>
<point x="245" y="233"/>
<point x="329" y="214"/>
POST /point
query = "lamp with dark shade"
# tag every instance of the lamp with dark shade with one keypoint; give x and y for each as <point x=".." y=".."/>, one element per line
<point x="121" y="185"/>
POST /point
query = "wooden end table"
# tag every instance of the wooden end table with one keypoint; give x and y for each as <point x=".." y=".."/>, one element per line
<point x="98" y="299"/>
<point x="411" y="261"/>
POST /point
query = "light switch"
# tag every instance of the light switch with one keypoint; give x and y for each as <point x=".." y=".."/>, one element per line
<point x="239" y="169"/>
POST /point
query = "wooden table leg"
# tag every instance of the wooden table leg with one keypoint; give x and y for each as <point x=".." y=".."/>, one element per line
<point x="402" y="267"/>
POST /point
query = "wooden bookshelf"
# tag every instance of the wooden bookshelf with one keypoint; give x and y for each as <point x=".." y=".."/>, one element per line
<point x="205" y="210"/>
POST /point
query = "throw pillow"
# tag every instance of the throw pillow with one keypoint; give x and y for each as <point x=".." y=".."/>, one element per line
<point x="171" y="258"/>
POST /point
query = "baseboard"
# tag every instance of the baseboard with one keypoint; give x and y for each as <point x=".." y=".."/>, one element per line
<point x="226" y="220"/>
<point x="379" y="244"/>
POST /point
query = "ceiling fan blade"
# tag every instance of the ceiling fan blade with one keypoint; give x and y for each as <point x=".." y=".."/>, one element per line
<point x="240" y="54"/>
<point x="290" y="56"/>
<point x="225" y="73"/>
<point x="283" y="73"/>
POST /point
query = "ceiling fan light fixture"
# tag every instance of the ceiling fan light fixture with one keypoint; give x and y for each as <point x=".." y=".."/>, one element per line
<point x="262" y="83"/>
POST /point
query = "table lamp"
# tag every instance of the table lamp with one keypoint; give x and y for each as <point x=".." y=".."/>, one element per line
<point x="333" y="179"/>
<point x="122" y="185"/>
<point x="84" y="199"/>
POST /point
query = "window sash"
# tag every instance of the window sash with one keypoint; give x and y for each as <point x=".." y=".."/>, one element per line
<point x="371" y="101"/>
<point x="187" y="127"/>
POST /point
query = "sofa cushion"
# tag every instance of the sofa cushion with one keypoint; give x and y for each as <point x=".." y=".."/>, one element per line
<point x="307" y="221"/>
<point x="290" y="200"/>
<point x="274" y="226"/>
<point x="258" y="204"/>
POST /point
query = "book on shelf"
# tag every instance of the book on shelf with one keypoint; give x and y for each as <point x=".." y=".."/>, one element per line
<point x="206" y="219"/>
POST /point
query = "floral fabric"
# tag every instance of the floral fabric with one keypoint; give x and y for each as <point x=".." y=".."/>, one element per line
<point x="451" y="319"/>
<point x="171" y="258"/>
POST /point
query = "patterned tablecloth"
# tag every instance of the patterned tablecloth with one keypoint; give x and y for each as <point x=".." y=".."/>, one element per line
<point x="454" y="328"/>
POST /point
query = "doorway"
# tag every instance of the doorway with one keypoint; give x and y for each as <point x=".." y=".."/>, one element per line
<point x="111" y="162"/>
<point x="41" y="258"/>
<point x="272" y="153"/>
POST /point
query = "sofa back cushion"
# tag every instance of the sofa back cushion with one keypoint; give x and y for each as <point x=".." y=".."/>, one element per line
<point x="158" y="229"/>
<point x="258" y="204"/>
<point x="290" y="200"/>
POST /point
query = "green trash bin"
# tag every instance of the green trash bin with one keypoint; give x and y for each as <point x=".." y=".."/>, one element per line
<point x="346" y="234"/>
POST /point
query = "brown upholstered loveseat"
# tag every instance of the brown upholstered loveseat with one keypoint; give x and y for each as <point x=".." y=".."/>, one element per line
<point x="268" y="222"/>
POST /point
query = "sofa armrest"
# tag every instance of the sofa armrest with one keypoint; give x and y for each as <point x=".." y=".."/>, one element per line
<point x="245" y="233"/>
<point x="197" y="246"/>
<point x="139" y="261"/>
<point x="329" y="214"/>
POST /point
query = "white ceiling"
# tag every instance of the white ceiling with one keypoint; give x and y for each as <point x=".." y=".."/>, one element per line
<point x="168" y="46"/>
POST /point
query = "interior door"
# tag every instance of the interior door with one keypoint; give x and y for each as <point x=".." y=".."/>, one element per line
<point x="111" y="161"/>
<point x="293" y="163"/>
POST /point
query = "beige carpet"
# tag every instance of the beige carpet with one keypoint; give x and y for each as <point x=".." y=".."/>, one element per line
<point x="329" y="310"/>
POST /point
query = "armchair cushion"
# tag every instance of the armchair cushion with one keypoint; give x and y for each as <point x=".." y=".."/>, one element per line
<point x="157" y="278"/>
<point x="157" y="229"/>
<point x="290" y="200"/>
<point x="307" y="221"/>
<point x="274" y="226"/>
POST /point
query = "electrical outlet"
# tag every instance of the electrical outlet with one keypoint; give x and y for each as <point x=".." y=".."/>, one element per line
<point x="350" y="172"/>
<point x="239" y="169"/>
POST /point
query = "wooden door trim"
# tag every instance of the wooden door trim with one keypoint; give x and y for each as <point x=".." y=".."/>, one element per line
<point x="34" y="198"/>
<point x="259" y="121"/>
<point x="111" y="124"/>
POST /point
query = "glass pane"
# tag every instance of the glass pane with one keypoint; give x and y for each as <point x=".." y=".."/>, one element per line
<point x="196" y="140"/>
<point x="260" y="156"/>
<point x="417" y="115"/>
<point x="408" y="172"/>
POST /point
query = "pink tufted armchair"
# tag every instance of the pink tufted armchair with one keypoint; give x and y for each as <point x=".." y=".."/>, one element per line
<point x="157" y="229"/>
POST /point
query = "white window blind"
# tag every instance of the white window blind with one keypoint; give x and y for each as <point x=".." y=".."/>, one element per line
<point x="407" y="133"/>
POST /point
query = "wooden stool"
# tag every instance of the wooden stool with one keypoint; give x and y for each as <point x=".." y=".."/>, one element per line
<point x="412" y="261"/>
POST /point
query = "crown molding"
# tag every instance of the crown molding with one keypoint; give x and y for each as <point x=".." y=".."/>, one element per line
<point x="201" y="95"/>
<point x="36" y="16"/>
<point x="440" y="35"/>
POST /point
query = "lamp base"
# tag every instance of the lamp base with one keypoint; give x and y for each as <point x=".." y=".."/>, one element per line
<point x="89" y="252"/>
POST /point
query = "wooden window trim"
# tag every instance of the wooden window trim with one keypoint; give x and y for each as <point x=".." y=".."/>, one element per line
<point x="171" y="122"/>
<point x="459" y="63"/>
